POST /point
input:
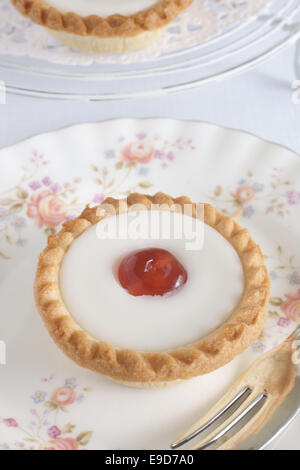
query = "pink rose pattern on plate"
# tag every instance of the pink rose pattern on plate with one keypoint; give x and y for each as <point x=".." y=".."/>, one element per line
<point x="47" y="208"/>
<point x="134" y="160"/>
<point x="291" y="306"/>
<point x="139" y="152"/>
<point x="63" y="396"/>
<point x="37" y="198"/>
<point x="47" y="203"/>
<point x="278" y="198"/>
<point x="284" y="310"/>
<point x="275" y="196"/>
<point x="47" y="429"/>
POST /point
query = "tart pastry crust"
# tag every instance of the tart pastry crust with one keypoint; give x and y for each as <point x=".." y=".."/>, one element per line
<point x="146" y="369"/>
<point x="116" y="33"/>
<point x="158" y="16"/>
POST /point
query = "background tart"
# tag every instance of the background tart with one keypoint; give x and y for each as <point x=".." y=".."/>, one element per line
<point x="100" y="26"/>
<point x="79" y="337"/>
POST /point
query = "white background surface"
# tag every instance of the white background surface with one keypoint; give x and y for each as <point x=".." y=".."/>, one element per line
<point x="259" y="101"/>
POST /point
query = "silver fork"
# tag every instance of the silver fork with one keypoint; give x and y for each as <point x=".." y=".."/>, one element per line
<point x="249" y="416"/>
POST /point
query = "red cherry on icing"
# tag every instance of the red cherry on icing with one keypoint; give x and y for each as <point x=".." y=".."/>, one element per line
<point x="151" y="272"/>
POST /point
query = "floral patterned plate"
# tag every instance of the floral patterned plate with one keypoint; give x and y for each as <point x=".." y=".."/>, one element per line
<point x="47" y="402"/>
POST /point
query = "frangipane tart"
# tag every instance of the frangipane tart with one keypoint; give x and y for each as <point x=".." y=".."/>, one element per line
<point x="101" y="25"/>
<point x="150" y="311"/>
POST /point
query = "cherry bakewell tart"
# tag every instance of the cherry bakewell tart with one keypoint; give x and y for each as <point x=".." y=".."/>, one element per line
<point x="101" y="25"/>
<point x="150" y="311"/>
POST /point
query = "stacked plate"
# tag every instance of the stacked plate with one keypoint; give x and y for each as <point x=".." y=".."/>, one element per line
<point x="211" y="41"/>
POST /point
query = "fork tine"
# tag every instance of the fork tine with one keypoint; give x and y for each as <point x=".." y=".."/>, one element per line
<point x="295" y="334"/>
<point x="202" y="445"/>
<point x="192" y="432"/>
<point x="250" y="415"/>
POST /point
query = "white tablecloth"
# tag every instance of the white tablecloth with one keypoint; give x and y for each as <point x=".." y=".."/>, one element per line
<point x="259" y="101"/>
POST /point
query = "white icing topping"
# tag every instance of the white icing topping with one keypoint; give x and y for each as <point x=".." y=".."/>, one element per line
<point x="102" y="8"/>
<point x="99" y="304"/>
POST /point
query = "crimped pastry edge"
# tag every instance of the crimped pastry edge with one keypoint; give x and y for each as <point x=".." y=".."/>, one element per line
<point x="158" y="16"/>
<point x="241" y="329"/>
